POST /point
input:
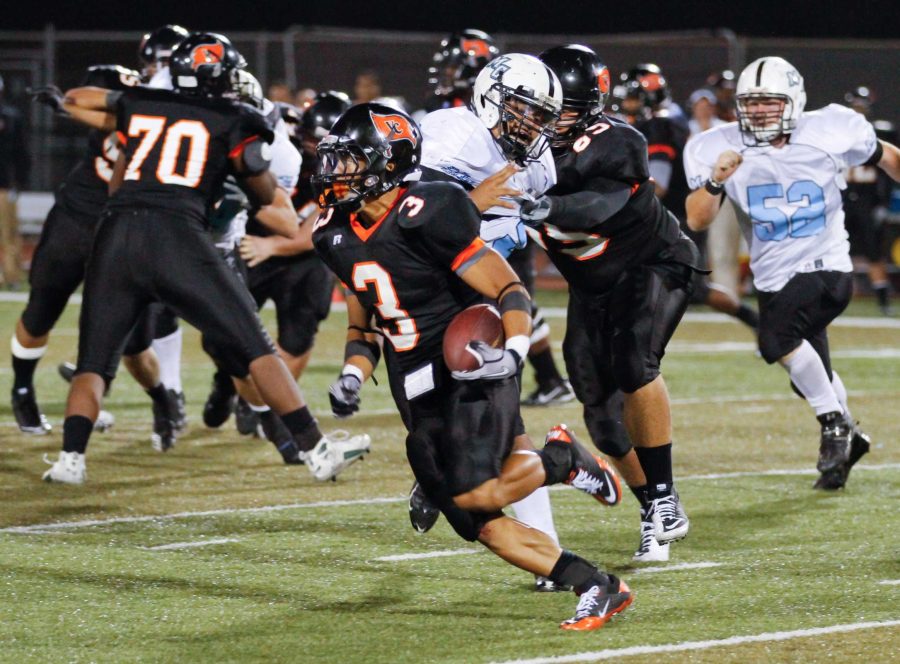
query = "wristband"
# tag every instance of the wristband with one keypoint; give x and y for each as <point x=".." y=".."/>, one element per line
<point x="713" y="187"/>
<point x="353" y="370"/>
<point x="519" y="344"/>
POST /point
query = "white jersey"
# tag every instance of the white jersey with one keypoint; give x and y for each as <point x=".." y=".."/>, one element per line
<point x="161" y="80"/>
<point x="285" y="166"/>
<point x="456" y="142"/>
<point x="792" y="194"/>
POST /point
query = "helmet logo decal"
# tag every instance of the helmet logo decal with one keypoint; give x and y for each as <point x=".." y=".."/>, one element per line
<point x="395" y="127"/>
<point x="498" y="67"/>
<point x="476" y="47"/>
<point x="603" y="80"/>
<point x="207" y="54"/>
<point x="793" y="78"/>
<point x="651" y="82"/>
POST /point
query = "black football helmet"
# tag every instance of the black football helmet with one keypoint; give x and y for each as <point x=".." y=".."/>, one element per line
<point x="644" y="83"/>
<point x="459" y="59"/>
<point x="585" y="88"/>
<point x="157" y="46"/>
<point x="370" y="150"/>
<point x="319" y="118"/>
<point x="111" y="77"/>
<point x="202" y="65"/>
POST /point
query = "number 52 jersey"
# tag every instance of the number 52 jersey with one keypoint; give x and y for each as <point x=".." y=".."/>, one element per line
<point x="792" y="194"/>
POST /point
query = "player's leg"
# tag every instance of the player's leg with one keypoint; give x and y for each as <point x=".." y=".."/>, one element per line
<point x="57" y="269"/>
<point x="167" y="342"/>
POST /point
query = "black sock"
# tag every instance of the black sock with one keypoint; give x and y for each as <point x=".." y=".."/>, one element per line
<point x="303" y="427"/>
<point x="158" y="393"/>
<point x="76" y="432"/>
<point x="575" y="571"/>
<point x="224" y="382"/>
<point x="657" y="465"/>
<point x="883" y="295"/>
<point x="748" y="316"/>
<point x="545" y="371"/>
<point x="23" y="372"/>
<point x="640" y="492"/>
<point x="557" y="459"/>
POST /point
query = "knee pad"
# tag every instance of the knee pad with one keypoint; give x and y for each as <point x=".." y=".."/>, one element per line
<point x="607" y="433"/>
<point x="45" y="306"/>
<point x="772" y="346"/>
<point x="297" y="337"/>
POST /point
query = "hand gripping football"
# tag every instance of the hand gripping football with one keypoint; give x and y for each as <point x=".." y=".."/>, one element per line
<point x="480" y="322"/>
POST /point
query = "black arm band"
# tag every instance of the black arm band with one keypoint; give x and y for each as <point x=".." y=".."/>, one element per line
<point x="511" y="284"/>
<point x="516" y="300"/>
<point x="367" y="349"/>
<point x="876" y="156"/>
<point x="714" y="188"/>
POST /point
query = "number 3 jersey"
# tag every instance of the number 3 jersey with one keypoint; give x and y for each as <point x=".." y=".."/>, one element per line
<point x="404" y="267"/>
<point x="793" y="193"/>
<point x="178" y="151"/>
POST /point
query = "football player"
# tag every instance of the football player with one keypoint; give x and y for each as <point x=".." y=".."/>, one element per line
<point x="57" y="268"/>
<point x="155" y="52"/>
<point x="629" y="268"/>
<point x="498" y="150"/>
<point x="152" y="244"/>
<point x="783" y="166"/>
<point x="866" y="199"/>
<point x="411" y="256"/>
<point x="456" y="65"/>
<point x="644" y="95"/>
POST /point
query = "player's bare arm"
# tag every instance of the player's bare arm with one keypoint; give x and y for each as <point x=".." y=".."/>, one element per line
<point x="890" y="160"/>
<point x="92" y="107"/>
<point x="361" y="355"/>
<point x="492" y="276"/>
<point x="703" y="204"/>
<point x="494" y="192"/>
<point x="279" y="216"/>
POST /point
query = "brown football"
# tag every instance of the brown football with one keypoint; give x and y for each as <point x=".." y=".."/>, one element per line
<point x="480" y="322"/>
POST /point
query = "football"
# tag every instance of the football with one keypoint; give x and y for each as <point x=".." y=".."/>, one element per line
<point x="480" y="322"/>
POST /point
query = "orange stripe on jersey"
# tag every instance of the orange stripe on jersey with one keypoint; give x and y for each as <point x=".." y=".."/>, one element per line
<point x="122" y="138"/>
<point x="657" y="148"/>
<point x="239" y="148"/>
<point x="467" y="253"/>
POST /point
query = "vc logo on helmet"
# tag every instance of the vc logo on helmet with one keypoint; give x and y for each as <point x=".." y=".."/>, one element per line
<point x="395" y="127"/>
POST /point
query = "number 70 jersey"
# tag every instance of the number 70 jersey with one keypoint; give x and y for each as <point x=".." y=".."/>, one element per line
<point x="792" y="194"/>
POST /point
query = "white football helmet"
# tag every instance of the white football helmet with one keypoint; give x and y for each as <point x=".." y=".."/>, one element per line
<point x="769" y="78"/>
<point x="518" y="98"/>
<point x="246" y="88"/>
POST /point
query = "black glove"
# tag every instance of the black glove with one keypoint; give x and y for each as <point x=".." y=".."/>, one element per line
<point x="534" y="212"/>
<point x="50" y="95"/>
<point x="344" y="396"/>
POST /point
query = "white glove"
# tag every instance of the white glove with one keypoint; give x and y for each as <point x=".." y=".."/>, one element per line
<point x="494" y="363"/>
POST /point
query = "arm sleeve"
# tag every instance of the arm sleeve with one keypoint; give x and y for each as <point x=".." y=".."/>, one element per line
<point x="584" y="210"/>
<point x="249" y="127"/>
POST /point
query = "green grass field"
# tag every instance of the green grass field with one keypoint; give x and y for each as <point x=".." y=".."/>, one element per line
<point x="295" y="571"/>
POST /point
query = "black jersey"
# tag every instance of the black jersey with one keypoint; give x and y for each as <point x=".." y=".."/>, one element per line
<point x="178" y="151"/>
<point x="666" y="138"/>
<point x="404" y="267"/>
<point x="84" y="191"/>
<point x="591" y="255"/>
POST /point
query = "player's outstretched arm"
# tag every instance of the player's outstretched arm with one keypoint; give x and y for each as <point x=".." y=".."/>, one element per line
<point x="92" y="107"/>
<point x="361" y="355"/>
<point x="702" y="205"/>
<point x="279" y="216"/>
<point x="890" y="160"/>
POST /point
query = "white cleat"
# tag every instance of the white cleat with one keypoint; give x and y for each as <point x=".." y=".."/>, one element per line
<point x="669" y="519"/>
<point x="68" y="469"/>
<point x="104" y="422"/>
<point x="334" y="452"/>
<point x="650" y="551"/>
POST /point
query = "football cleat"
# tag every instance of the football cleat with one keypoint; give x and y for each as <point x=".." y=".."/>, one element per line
<point x="649" y="550"/>
<point x="68" y="469"/>
<point x="165" y="418"/>
<point x="181" y="421"/>
<point x="670" y="522"/>
<point x="598" y="604"/>
<point x="589" y="473"/>
<point x="423" y="514"/>
<point x="836" y="478"/>
<point x="28" y="415"/>
<point x="334" y="452"/>
<point x="221" y="401"/>
<point x="544" y="585"/>
<point x="277" y="433"/>
<point x="246" y="419"/>
<point x="66" y="371"/>
<point x="104" y="422"/>
<point x="834" y="446"/>
<point x="546" y="395"/>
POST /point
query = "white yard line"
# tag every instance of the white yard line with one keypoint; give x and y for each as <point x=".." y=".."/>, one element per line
<point x="190" y="545"/>
<point x="37" y="528"/>
<point x="612" y="653"/>
<point x="889" y="582"/>
<point x="429" y="554"/>
<point x="673" y="568"/>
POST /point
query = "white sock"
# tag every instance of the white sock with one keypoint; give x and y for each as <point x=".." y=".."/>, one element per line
<point x="258" y="409"/>
<point x="168" y="349"/>
<point x="534" y="510"/>
<point x="840" y="391"/>
<point x="808" y="374"/>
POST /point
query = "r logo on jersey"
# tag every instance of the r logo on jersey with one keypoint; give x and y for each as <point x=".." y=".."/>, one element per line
<point x="207" y="54"/>
<point x="395" y="128"/>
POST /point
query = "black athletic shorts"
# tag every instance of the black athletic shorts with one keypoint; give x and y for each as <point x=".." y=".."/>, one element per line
<point x="57" y="268"/>
<point x="802" y="310"/>
<point x="300" y="287"/>
<point x="865" y="233"/>
<point x="145" y="256"/>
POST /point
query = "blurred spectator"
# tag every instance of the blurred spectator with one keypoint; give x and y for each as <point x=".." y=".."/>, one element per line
<point x="304" y="98"/>
<point x="280" y="91"/>
<point x="702" y="104"/>
<point x="14" y="168"/>
<point x="367" y="87"/>
<point x="723" y="85"/>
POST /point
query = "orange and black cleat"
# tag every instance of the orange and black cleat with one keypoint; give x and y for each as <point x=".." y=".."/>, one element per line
<point x="590" y="473"/>
<point x="598" y="604"/>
